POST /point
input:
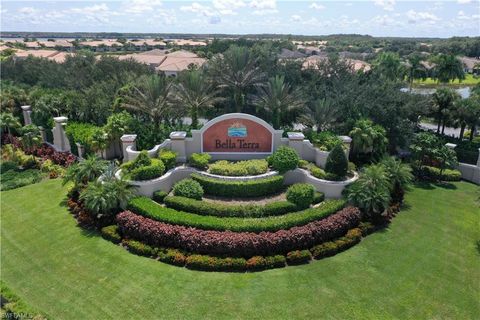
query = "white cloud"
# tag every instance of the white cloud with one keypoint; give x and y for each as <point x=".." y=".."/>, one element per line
<point x="415" y="17"/>
<point x="97" y="13"/>
<point x="195" y="7"/>
<point x="296" y="18"/>
<point x="316" y="6"/>
<point x="227" y="7"/>
<point x="263" y="7"/>
<point x="27" y="10"/>
<point x="464" y="1"/>
<point x="385" y="4"/>
<point x="385" y="21"/>
<point x="140" y="6"/>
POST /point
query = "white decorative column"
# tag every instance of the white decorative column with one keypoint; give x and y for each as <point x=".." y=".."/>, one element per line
<point x="478" y="160"/>
<point x="27" y="119"/>
<point x="43" y="134"/>
<point x="450" y="145"/>
<point x="80" y="150"/>
<point x="60" y="139"/>
<point x="128" y="140"/>
<point x="295" y="141"/>
<point x="178" y="145"/>
<point x="347" y="141"/>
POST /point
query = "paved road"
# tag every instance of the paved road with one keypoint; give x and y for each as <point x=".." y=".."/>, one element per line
<point x="448" y="131"/>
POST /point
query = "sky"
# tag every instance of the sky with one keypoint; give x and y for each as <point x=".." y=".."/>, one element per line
<point x="404" y="18"/>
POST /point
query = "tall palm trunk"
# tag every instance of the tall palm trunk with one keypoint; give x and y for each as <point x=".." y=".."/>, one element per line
<point x="462" y="130"/>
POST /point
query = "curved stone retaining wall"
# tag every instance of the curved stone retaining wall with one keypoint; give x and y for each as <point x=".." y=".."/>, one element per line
<point x="331" y="189"/>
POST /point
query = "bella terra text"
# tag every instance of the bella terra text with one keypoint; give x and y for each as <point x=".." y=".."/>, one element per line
<point x="238" y="144"/>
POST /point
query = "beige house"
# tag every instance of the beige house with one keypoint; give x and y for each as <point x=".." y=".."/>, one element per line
<point x="102" y="45"/>
<point x="172" y="65"/>
<point x="188" y="43"/>
<point x="357" y="65"/>
<point x="36" y="53"/>
<point x="470" y="65"/>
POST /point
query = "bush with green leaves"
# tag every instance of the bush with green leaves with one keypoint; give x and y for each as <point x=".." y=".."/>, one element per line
<point x="318" y="172"/>
<point x="82" y="133"/>
<point x="337" y="162"/>
<point x="369" y="140"/>
<point x="82" y="172"/>
<point x="301" y="194"/>
<point x="251" y="188"/>
<point x="325" y="140"/>
<point x="371" y="192"/>
<point x="188" y="188"/>
<point x="318" y="197"/>
<point x="200" y="160"/>
<point x="298" y="257"/>
<point x="110" y="233"/>
<point x="435" y="174"/>
<point x="168" y="157"/>
<point x="226" y="210"/>
<point x="239" y="168"/>
<point x="400" y="176"/>
<point x="149" y="172"/>
<point x="141" y="160"/>
<point x="106" y="198"/>
<point x="14" y="178"/>
<point x="284" y="159"/>
<point x="150" y="209"/>
<point x="159" y="196"/>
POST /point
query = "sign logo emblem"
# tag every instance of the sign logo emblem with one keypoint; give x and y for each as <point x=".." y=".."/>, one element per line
<point x="237" y="130"/>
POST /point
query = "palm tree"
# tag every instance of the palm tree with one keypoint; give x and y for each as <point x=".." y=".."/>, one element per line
<point x="462" y="114"/>
<point x="152" y="97"/>
<point x="368" y="138"/>
<point x="237" y="70"/>
<point x="84" y="171"/>
<point x="195" y="93"/>
<point x="279" y="100"/>
<point x="400" y="176"/>
<point x="448" y="68"/>
<point x="9" y="121"/>
<point x="321" y="113"/>
<point x="415" y="69"/>
<point x="388" y="66"/>
<point x="443" y="102"/>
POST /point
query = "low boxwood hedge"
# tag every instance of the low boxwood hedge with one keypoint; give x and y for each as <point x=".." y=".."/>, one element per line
<point x="148" y="172"/>
<point x="331" y="248"/>
<point x="206" y="208"/>
<point x="111" y="233"/>
<point x="239" y="168"/>
<point x="433" y="173"/>
<point x="159" y="196"/>
<point x="148" y="208"/>
<point x="250" y="188"/>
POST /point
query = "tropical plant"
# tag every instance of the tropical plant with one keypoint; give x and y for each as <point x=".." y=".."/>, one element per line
<point x="31" y="136"/>
<point x="400" y="176"/>
<point x="368" y="138"/>
<point x="446" y="158"/>
<point x="448" y="68"/>
<point x="424" y="146"/>
<point x="444" y="100"/>
<point x="337" y="162"/>
<point x="85" y="171"/>
<point x="321" y="113"/>
<point x="279" y="101"/>
<point x="388" y="66"/>
<point x="195" y="93"/>
<point x="151" y="97"/>
<point x="415" y="69"/>
<point x="236" y="70"/>
<point x="371" y="192"/>
<point x="9" y="122"/>
<point x="117" y="125"/>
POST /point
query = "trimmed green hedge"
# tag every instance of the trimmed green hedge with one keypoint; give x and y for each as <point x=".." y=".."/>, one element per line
<point x="432" y="173"/>
<point x="239" y="168"/>
<point x="159" y="196"/>
<point x="150" y="209"/>
<point x="250" y="188"/>
<point x="111" y="233"/>
<point x="149" y="172"/>
<point x="222" y="210"/>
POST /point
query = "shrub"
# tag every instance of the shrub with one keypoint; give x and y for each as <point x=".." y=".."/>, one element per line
<point x="209" y="263"/>
<point x="258" y="263"/>
<point x="250" y="188"/>
<point x="298" y="257"/>
<point x="331" y="248"/>
<point x="199" y="160"/>
<point x="237" y="244"/>
<point x="148" y="208"/>
<point x="222" y="210"/>
<point x="141" y="160"/>
<point x="111" y="233"/>
<point x="81" y="133"/>
<point x="304" y="164"/>
<point x="171" y="256"/>
<point x="337" y="162"/>
<point x="367" y="228"/>
<point x="240" y="168"/>
<point x="301" y="194"/>
<point x="159" y="196"/>
<point x="148" y="172"/>
<point x="7" y="165"/>
<point x="139" y="248"/>
<point x="318" y="197"/>
<point x="54" y="170"/>
<point x="188" y="188"/>
<point x="318" y="172"/>
<point x="168" y="157"/>
<point x="435" y="174"/>
<point x="284" y="159"/>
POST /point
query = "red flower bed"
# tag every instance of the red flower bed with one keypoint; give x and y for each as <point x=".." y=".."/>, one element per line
<point x="234" y="244"/>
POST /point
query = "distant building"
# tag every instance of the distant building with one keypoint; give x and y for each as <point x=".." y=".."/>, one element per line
<point x="470" y="65"/>
<point x="289" y="54"/>
<point x="357" y="65"/>
<point x="172" y="65"/>
<point x="105" y="45"/>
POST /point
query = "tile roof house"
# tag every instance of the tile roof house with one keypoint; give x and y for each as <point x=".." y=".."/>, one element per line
<point x="470" y="65"/>
<point x="188" y="43"/>
<point x="289" y="54"/>
<point x="357" y="65"/>
<point x="36" y="53"/>
<point x="172" y="65"/>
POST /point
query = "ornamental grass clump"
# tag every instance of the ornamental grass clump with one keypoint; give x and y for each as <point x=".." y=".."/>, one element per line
<point x="188" y="188"/>
<point x="301" y="194"/>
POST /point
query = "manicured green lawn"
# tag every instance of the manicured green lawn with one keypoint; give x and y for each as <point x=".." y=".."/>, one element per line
<point x="469" y="80"/>
<point x="425" y="266"/>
